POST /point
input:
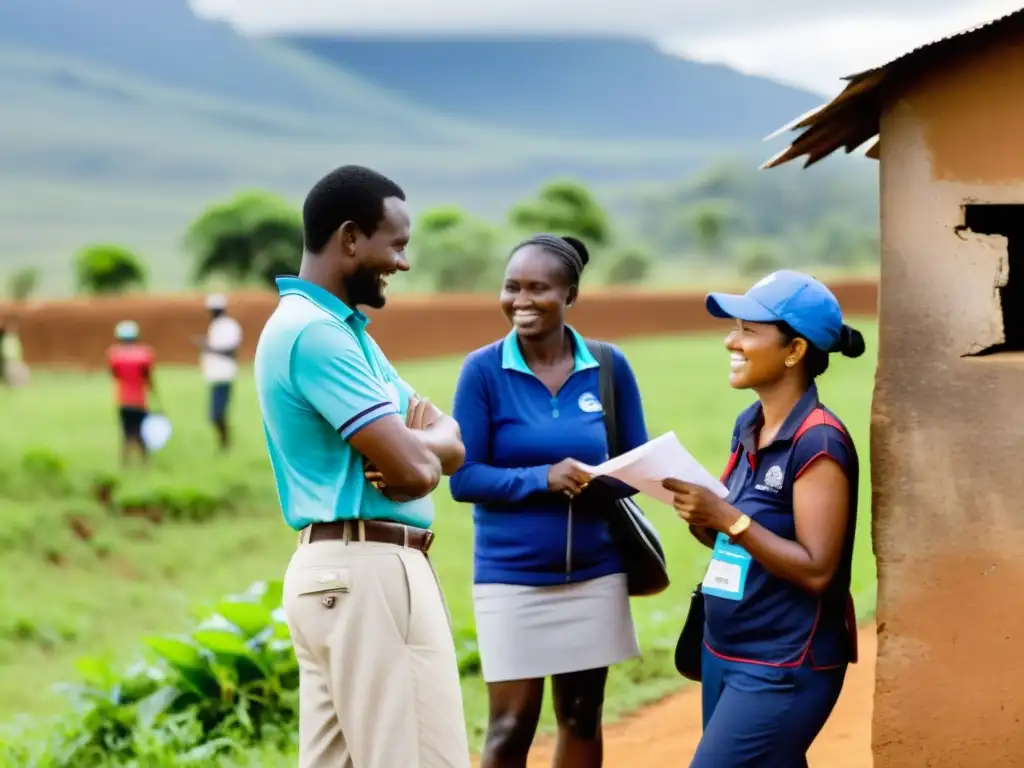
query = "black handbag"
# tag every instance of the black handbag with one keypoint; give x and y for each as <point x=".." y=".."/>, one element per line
<point x="634" y="535"/>
<point x="690" y="646"/>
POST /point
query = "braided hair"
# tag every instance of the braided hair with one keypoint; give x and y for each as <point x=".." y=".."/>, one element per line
<point x="572" y="253"/>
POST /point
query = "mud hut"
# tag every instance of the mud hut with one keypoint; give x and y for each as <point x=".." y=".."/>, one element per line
<point x="946" y="124"/>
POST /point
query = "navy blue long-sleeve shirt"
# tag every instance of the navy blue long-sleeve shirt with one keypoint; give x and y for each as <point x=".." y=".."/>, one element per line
<point x="514" y="430"/>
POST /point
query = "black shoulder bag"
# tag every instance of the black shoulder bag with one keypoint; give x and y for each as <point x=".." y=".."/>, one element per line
<point x="690" y="646"/>
<point x="636" y="538"/>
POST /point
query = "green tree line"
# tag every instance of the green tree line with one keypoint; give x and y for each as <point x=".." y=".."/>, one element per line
<point x="726" y="217"/>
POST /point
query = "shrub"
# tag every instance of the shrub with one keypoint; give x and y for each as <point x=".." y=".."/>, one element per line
<point x="22" y="283"/>
<point x="631" y="266"/>
<point x="458" y="251"/>
<point x="46" y="470"/>
<point x="757" y="257"/>
<point x="158" y="504"/>
<point x="108" y="269"/>
<point x="231" y="683"/>
<point x="564" y="207"/>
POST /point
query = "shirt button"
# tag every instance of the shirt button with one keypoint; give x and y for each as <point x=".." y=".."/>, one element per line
<point x="328" y="602"/>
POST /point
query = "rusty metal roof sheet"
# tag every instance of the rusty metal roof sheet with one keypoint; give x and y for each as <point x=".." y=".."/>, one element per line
<point x="851" y="118"/>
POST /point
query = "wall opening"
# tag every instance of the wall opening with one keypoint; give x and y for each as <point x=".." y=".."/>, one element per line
<point x="1008" y="221"/>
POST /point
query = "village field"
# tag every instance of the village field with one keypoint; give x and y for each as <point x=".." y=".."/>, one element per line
<point x="84" y="578"/>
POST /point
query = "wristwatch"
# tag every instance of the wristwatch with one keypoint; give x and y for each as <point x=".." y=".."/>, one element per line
<point x="739" y="527"/>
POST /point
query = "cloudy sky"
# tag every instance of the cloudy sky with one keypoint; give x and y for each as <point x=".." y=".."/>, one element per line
<point x="806" y="42"/>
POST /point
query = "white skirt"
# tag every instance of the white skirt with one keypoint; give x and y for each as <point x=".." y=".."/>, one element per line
<point x="533" y="632"/>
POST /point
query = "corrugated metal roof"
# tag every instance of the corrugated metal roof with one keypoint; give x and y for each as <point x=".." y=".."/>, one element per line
<point x="851" y="118"/>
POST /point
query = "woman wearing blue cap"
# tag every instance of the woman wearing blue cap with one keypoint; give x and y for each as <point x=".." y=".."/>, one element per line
<point x="779" y="626"/>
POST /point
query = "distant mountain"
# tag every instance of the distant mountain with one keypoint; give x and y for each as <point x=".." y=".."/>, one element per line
<point x="158" y="40"/>
<point x="598" y="88"/>
<point x="163" y="43"/>
<point x="123" y="119"/>
<point x="594" y="88"/>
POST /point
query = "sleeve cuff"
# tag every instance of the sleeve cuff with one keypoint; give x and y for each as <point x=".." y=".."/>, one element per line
<point x="366" y="417"/>
<point x="539" y="478"/>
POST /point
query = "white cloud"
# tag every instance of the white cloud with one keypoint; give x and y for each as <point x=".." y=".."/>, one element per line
<point x="817" y="53"/>
<point x="805" y="42"/>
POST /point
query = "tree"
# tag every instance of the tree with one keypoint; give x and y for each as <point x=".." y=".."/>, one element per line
<point x="107" y="268"/>
<point x="253" y="236"/>
<point x="757" y="257"/>
<point x="838" y="242"/>
<point x="630" y="266"/>
<point x="458" y="251"/>
<point x="709" y="223"/>
<point x="564" y="207"/>
<point x="22" y="283"/>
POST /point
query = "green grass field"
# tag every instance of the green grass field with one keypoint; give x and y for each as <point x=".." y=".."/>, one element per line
<point x="66" y="595"/>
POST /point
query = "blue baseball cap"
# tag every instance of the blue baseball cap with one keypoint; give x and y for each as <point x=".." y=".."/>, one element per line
<point x="126" y="330"/>
<point x="798" y="300"/>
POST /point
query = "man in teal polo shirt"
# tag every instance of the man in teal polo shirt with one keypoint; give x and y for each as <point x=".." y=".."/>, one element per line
<point x="355" y="453"/>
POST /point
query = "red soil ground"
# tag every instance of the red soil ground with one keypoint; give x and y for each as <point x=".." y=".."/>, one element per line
<point x="665" y="734"/>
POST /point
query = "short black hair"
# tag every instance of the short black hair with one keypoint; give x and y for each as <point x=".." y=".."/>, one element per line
<point x="570" y="252"/>
<point x="349" y="193"/>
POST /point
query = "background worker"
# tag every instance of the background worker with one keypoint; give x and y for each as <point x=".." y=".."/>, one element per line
<point x="219" y="361"/>
<point x="131" y="365"/>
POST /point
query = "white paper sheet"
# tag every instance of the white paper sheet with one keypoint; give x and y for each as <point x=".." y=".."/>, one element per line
<point x="646" y="467"/>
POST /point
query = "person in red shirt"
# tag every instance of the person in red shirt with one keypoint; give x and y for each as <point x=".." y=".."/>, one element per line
<point x="131" y="364"/>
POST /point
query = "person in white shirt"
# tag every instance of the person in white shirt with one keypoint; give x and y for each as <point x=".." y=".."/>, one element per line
<point x="219" y="361"/>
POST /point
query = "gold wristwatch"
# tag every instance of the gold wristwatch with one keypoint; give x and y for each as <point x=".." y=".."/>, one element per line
<point x="739" y="527"/>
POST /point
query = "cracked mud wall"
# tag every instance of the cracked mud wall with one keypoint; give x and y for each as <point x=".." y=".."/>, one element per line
<point x="947" y="431"/>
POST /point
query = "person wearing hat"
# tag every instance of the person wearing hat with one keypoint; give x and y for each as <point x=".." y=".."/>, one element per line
<point x="779" y="626"/>
<point x="219" y="361"/>
<point x="131" y="365"/>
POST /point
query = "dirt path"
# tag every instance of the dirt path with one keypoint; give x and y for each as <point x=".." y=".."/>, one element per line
<point x="665" y="734"/>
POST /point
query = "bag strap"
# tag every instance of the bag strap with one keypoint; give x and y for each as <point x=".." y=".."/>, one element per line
<point x="606" y="391"/>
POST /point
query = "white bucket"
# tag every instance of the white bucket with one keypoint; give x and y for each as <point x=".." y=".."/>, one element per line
<point x="156" y="431"/>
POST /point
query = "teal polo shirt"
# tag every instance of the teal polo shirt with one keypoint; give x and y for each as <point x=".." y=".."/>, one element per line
<point x="321" y="378"/>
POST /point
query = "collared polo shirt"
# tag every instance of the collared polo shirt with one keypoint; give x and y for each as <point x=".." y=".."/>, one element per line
<point x="776" y="623"/>
<point x="514" y="430"/>
<point x="321" y="378"/>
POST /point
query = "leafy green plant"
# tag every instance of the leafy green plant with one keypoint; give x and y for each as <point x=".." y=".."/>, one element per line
<point x="46" y="470"/>
<point x="158" y="504"/>
<point x="233" y="681"/>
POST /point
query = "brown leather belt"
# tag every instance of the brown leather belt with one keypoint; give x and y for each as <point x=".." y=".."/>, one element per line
<point x="382" y="531"/>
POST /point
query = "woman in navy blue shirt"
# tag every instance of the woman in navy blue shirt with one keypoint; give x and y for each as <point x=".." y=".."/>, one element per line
<point x="550" y="594"/>
<point x="779" y="624"/>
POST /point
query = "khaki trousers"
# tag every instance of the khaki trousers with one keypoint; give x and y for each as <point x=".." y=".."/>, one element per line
<point x="379" y="683"/>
